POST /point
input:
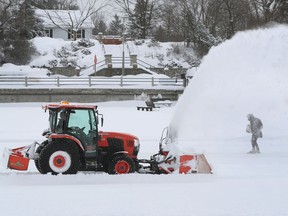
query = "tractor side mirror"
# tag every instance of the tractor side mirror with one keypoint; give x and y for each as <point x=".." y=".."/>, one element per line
<point x="102" y="119"/>
<point x="97" y="118"/>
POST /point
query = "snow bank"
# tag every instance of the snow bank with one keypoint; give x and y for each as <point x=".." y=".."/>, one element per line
<point x="247" y="74"/>
<point x="22" y="70"/>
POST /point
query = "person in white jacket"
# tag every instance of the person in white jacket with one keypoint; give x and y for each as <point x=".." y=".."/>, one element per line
<point x="254" y="128"/>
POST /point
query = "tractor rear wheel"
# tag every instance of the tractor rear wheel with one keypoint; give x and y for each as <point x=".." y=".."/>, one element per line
<point x="59" y="157"/>
<point x="121" y="164"/>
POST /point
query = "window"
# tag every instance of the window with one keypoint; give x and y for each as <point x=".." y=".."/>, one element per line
<point x="79" y="34"/>
<point x="49" y="33"/>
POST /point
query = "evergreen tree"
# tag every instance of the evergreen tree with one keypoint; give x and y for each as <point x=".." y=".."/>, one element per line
<point x="141" y="19"/>
<point x="116" y="26"/>
<point x="100" y="26"/>
<point x="22" y="27"/>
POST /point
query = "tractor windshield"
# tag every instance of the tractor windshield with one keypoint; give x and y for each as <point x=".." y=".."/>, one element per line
<point x="84" y="119"/>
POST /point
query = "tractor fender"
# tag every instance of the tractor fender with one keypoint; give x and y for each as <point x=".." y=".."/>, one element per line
<point x="120" y="152"/>
<point x="66" y="136"/>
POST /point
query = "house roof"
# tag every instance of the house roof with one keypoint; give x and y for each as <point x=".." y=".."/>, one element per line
<point x="64" y="18"/>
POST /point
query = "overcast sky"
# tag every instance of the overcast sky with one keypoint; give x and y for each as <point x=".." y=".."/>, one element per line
<point x="110" y="8"/>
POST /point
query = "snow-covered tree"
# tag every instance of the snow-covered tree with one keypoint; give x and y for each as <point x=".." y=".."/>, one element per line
<point x="20" y="26"/>
<point x="116" y="26"/>
<point x="23" y="27"/>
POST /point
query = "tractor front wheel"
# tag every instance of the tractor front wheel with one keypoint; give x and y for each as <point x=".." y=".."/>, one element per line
<point x="59" y="157"/>
<point x="121" y="164"/>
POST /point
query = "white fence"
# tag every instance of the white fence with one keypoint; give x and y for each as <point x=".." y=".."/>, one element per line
<point x="90" y="81"/>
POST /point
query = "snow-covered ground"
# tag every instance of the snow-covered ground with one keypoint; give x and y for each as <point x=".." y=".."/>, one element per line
<point x="245" y="74"/>
<point x="52" y="52"/>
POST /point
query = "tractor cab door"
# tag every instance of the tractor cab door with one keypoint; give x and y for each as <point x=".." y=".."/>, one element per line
<point x="82" y="124"/>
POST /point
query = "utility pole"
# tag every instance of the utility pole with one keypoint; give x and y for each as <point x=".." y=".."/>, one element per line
<point x="123" y="51"/>
<point x="123" y="55"/>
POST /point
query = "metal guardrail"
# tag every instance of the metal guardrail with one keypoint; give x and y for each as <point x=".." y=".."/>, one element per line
<point x="13" y="81"/>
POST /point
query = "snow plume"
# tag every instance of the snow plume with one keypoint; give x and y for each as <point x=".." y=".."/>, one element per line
<point x="246" y="74"/>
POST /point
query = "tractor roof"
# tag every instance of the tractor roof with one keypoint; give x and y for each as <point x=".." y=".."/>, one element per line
<point x="67" y="105"/>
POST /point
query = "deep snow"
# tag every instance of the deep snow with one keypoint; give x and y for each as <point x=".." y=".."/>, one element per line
<point x="219" y="98"/>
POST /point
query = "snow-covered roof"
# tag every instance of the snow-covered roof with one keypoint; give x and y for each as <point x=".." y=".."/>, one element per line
<point x="64" y="18"/>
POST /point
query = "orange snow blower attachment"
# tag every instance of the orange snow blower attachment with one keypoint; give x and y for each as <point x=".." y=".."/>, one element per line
<point x="18" y="158"/>
<point x="169" y="160"/>
<point x="196" y="163"/>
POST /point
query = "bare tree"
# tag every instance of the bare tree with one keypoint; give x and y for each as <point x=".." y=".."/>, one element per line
<point x="279" y="9"/>
<point x="169" y="21"/>
<point x="72" y="20"/>
<point x="56" y="4"/>
<point x="126" y="6"/>
<point x="226" y="17"/>
<point x="6" y="14"/>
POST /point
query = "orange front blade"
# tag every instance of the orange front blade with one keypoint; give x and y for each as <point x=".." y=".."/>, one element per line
<point x="15" y="161"/>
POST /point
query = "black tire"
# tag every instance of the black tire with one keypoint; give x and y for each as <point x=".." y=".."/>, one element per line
<point x="121" y="164"/>
<point x="38" y="151"/>
<point x="59" y="157"/>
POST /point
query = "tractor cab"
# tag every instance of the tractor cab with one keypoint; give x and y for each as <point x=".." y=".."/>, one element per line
<point x="78" y="121"/>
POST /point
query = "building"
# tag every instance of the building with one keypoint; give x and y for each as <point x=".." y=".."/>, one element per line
<point x="66" y="24"/>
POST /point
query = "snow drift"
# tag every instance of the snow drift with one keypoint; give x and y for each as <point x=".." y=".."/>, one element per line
<point x="247" y="74"/>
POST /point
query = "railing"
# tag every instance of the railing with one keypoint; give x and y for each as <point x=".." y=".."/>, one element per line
<point x="13" y="81"/>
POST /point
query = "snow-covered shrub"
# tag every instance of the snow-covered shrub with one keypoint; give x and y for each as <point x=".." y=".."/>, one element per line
<point x="86" y="52"/>
<point x="138" y="42"/>
<point x="53" y="63"/>
<point x="153" y="43"/>
<point x="176" y="49"/>
<point x="85" y="43"/>
<point x="160" y="57"/>
<point x="186" y="54"/>
<point x="72" y="63"/>
<point x="62" y="53"/>
<point x="64" y="62"/>
<point x="170" y="64"/>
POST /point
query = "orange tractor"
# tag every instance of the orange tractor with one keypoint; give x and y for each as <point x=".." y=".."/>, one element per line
<point x="74" y="143"/>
